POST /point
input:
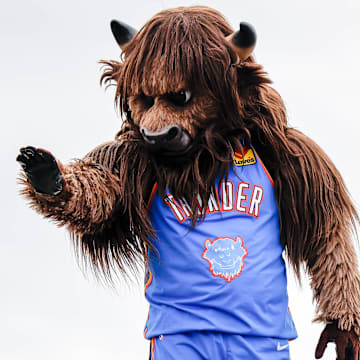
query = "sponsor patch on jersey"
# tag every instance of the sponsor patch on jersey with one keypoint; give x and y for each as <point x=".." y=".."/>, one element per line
<point x="247" y="159"/>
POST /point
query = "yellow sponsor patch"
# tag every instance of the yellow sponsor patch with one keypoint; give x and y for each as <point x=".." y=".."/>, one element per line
<point x="247" y="159"/>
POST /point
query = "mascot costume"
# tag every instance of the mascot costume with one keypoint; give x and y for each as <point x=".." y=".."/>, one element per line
<point x="205" y="185"/>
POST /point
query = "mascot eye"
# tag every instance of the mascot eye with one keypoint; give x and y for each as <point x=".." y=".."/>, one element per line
<point x="148" y="101"/>
<point x="180" y="98"/>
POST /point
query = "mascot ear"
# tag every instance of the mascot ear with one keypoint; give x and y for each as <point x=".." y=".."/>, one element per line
<point x="208" y="244"/>
<point x="243" y="40"/>
<point x="122" y="32"/>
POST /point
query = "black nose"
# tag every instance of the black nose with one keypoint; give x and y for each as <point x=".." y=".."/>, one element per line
<point x="160" y="137"/>
<point x="171" y="140"/>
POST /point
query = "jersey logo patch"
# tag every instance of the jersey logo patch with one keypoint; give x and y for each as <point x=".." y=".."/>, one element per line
<point x="247" y="159"/>
<point x="225" y="256"/>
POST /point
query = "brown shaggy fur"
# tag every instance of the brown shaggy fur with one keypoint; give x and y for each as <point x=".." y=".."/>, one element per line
<point x="104" y="200"/>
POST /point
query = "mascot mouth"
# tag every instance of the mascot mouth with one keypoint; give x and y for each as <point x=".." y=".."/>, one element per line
<point x="226" y="264"/>
<point x="170" y="141"/>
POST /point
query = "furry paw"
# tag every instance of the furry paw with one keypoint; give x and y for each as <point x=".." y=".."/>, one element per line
<point x="41" y="169"/>
<point x="347" y="343"/>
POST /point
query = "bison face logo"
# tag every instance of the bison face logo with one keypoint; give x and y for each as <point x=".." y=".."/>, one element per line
<point x="225" y="256"/>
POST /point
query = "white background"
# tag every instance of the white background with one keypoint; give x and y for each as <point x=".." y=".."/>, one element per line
<point x="50" y="97"/>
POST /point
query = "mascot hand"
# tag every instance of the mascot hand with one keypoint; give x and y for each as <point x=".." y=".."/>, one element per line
<point x="347" y="343"/>
<point x="41" y="169"/>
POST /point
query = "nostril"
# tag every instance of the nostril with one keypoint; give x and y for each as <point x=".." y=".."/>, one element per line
<point x="146" y="136"/>
<point x="143" y="133"/>
<point x="172" y="133"/>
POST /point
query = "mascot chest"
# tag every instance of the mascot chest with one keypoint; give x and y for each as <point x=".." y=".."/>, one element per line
<point x="241" y="216"/>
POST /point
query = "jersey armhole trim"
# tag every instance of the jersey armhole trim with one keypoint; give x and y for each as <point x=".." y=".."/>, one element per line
<point x="148" y="282"/>
<point x="153" y="191"/>
<point x="264" y="167"/>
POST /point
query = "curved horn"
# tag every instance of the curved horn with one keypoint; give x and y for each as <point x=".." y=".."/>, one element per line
<point x="122" y="32"/>
<point x="243" y="40"/>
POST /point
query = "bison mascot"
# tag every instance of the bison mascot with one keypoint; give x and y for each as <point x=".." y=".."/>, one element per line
<point x="205" y="185"/>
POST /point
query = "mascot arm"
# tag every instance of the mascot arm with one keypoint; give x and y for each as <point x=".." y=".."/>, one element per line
<point x="336" y="286"/>
<point x="81" y="195"/>
<point x="318" y="234"/>
<point x="100" y="199"/>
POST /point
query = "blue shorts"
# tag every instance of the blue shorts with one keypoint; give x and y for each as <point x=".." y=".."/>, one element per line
<point x="205" y="345"/>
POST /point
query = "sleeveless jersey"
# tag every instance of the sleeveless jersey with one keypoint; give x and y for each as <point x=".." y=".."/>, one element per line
<point x="227" y="274"/>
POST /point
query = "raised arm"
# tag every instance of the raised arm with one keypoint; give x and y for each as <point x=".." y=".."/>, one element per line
<point x="101" y="199"/>
<point x="81" y="195"/>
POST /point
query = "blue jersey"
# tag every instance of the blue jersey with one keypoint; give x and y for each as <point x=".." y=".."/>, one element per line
<point x="227" y="274"/>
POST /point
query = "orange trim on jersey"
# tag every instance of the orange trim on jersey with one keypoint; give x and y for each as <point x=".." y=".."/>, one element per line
<point x="152" y="350"/>
<point x="147" y="324"/>
<point x="149" y="281"/>
<point x="153" y="191"/>
<point x="264" y="167"/>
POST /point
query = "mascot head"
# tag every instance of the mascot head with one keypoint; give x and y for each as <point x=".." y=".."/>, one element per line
<point x="177" y="75"/>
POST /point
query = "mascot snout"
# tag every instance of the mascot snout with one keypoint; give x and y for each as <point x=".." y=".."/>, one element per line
<point x="171" y="140"/>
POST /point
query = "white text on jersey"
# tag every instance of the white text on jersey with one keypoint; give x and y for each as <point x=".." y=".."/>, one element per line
<point x="245" y="199"/>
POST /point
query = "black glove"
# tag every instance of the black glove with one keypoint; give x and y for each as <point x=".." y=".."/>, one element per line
<point x="41" y="169"/>
<point x="347" y="343"/>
